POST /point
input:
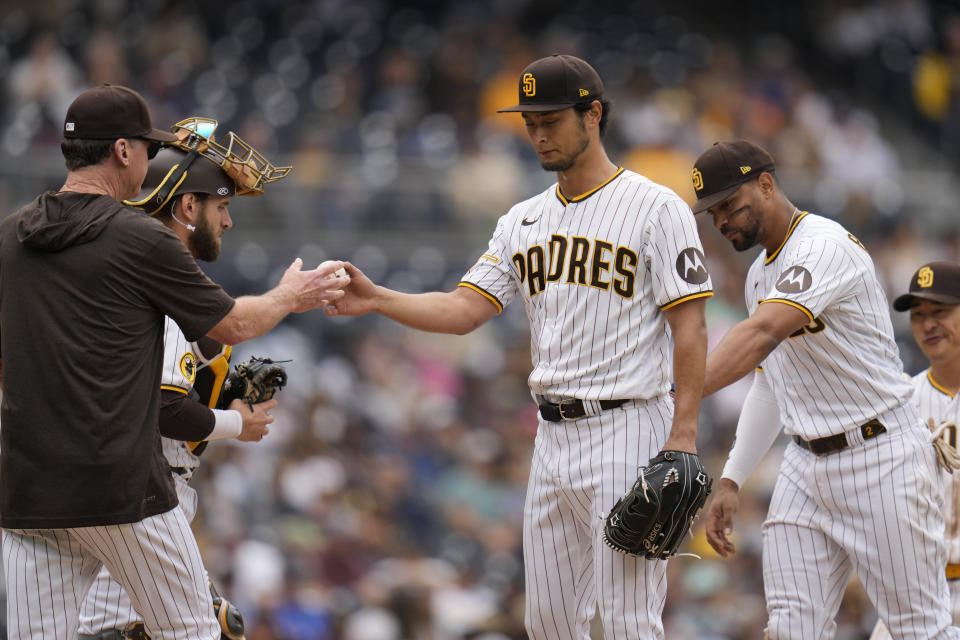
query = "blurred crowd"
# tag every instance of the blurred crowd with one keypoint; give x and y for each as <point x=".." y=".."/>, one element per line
<point x="386" y="503"/>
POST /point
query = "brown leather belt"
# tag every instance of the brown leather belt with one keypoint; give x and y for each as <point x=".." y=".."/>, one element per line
<point x="135" y="631"/>
<point x="838" y="442"/>
<point x="953" y="571"/>
<point x="573" y="409"/>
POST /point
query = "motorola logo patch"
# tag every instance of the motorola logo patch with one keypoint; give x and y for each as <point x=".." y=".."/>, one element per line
<point x="691" y="266"/>
<point x="794" y="280"/>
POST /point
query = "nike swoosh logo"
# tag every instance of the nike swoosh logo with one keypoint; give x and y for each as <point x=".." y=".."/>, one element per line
<point x="528" y="222"/>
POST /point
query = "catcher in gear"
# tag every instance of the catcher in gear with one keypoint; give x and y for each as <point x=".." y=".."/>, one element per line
<point x="653" y="517"/>
<point x="188" y="188"/>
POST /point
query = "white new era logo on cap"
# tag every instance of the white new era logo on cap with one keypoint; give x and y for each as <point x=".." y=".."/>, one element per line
<point x="70" y="126"/>
<point x="223" y="191"/>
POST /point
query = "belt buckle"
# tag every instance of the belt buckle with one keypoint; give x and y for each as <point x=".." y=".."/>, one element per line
<point x="135" y="631"/>
<point x="564" y="417"/>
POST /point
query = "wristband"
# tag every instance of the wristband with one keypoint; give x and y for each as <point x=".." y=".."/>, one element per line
<point x="227" y="424"/>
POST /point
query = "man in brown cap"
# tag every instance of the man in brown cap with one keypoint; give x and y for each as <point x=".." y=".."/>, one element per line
<point x="195" y="206"/>
<point x="610" y="270"/>
<point x="933" y="300"/>
<point x="857" y="485"/>
<point x="85" y="284"/>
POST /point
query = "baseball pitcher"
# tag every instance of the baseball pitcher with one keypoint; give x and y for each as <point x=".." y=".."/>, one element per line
<point x="611" y="273"/>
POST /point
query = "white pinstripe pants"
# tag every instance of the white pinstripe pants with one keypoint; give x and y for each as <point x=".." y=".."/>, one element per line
<point x="880" y="631"/>
<point x="579" y="470"/>
<point x="48" y="572"/>
<point x="872" y="509"/>
<point x="106" y="605"/>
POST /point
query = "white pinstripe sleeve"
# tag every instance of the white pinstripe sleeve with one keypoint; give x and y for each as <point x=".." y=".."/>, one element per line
<point x="179" y="360"/>
<point x="675" y="255"/>
<point x="818" y="272"/>
<point x="492" y="275"/>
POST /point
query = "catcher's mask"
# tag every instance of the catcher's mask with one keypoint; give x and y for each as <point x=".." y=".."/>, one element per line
<point x="236" y="166"/>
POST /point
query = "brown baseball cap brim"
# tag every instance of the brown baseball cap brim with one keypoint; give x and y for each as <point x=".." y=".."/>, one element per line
<point x="537" y="108"/>
<point x="716" y="198"/>
<point x="904" y="302"/>
<point x="158" y="135"/>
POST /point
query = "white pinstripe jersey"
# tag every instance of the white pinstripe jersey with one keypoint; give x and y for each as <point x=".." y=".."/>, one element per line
<point x="934" y="401"/>
<point x="181" y="361"/>
<point x="843" y="368"/>
<point x="595" y="273"/>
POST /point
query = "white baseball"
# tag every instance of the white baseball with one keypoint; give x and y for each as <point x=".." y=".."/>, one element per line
<point x="339" y="273"/>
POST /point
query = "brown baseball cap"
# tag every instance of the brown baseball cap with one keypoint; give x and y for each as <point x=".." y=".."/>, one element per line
<point x="556" y="82"/>
<point x="724" y="168"/>
<point x="111" y="111"/>
<point x="936" y="281"/>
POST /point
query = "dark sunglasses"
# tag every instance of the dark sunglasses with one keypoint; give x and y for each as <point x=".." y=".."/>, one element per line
<point x="153" y="147"/>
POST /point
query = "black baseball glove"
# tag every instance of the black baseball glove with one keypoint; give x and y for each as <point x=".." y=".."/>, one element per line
<point x="253" y="381"/>
<point x="653" y="517"/>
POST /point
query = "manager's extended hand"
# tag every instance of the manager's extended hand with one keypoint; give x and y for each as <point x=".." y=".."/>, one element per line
<point x="314" y="288"/>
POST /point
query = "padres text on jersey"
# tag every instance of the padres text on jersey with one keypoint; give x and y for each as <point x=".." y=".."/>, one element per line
<point x="606" y="263"/>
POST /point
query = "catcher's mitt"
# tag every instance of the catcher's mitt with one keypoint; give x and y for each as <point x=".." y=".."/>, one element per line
<point x="652" y="518"/>
<point x="254" y="381"/>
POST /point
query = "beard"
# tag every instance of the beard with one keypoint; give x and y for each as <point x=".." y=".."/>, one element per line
<point x="566" y="162"/>
<point x="204" y="242"/>
<point x="748" y="233"/>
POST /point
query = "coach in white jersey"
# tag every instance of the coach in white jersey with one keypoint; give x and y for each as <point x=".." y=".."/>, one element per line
<point x="857" y="490"/>
<point x="933" y="300"/>
<point x="609" y="268"/>
<point x="196" y="210"/>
